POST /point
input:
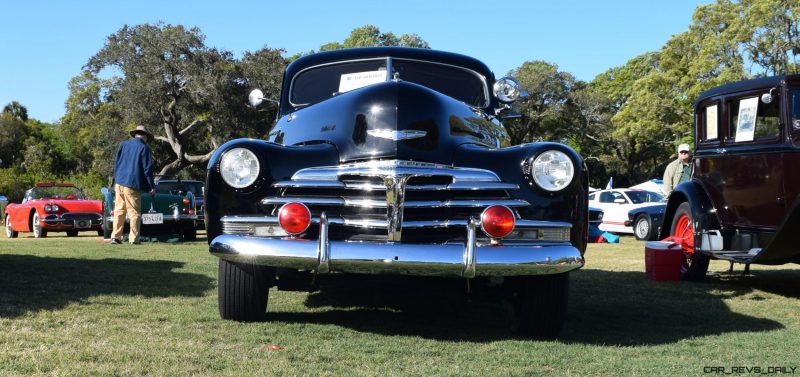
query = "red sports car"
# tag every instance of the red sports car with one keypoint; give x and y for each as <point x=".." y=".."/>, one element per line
<point x="54" y="207"/>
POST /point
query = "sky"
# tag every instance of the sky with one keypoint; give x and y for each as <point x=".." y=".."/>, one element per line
<point x="43" y="44"/>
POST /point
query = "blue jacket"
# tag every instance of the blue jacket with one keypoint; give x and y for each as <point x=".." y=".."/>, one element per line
<point x="133" y="166"/>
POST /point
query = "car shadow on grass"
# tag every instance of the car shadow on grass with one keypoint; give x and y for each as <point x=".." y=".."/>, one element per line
<point x="31" y="283"/>
<point x="606" y="308"/>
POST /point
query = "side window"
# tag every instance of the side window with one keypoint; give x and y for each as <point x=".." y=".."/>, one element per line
<point x="733" y="117"/>
<point x="606" y="197"/>
<point x="751" y="119"/>
<point x="795" y="95"/>
<point x="618" y="195"/>
<point x="711" y="122"/>
<point x="768" y="119"/>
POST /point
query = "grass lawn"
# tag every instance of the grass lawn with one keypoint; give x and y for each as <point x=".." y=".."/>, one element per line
<point x="76" y="306"/>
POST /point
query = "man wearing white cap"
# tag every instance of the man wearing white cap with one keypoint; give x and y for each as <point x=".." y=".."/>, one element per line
<point x="679" y="170"/>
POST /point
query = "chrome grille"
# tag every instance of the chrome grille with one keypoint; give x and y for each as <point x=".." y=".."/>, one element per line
<point x="383" y="199"/>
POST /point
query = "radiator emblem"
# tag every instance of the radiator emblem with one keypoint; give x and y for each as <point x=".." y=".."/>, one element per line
<point x="396" y="135"/>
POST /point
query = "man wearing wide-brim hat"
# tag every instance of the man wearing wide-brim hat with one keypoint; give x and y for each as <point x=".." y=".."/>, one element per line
<point x="133" y="174"/>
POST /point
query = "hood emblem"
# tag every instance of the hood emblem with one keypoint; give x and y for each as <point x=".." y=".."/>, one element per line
<point x="396" y="135"/>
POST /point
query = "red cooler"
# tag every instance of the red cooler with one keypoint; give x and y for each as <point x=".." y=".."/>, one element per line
<point x="662" y="261"/>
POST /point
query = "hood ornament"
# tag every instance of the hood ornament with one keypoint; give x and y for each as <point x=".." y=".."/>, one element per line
<point x="385" y="133"/>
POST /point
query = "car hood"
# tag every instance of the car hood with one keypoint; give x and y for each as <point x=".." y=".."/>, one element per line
<point x="70" y="205"/>
<point x="394" y="119"/>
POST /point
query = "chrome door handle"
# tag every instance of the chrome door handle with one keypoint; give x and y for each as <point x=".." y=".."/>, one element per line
<point x="721" y="150"/>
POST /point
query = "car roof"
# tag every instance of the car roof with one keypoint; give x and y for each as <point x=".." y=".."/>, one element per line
<point x="740" y="86"/>
<point x="423" y="54"/>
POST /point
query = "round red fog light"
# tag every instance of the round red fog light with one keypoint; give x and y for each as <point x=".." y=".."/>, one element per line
<point x="497" y="221"/>
<point x="294" y="218"/>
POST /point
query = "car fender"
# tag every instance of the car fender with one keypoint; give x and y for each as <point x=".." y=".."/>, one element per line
<point x="704" y="213"/>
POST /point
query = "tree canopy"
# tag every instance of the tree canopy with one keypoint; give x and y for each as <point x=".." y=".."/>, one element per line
<point x="626" y="122"/>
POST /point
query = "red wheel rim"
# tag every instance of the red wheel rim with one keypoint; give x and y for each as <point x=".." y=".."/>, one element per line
<point x="684" y="235"/>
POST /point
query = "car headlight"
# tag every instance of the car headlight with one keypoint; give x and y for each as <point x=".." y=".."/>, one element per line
<point x="239" y="167"/>
<point x="552" y="170"/>
<point x="51" y="208"/>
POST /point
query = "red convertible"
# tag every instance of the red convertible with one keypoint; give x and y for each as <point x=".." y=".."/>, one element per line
<point x="54" y="207"/>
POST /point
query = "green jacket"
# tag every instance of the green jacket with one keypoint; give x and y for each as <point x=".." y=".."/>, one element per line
<point x="675" y="173"/>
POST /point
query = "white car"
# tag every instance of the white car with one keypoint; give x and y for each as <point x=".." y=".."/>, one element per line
<point x="616" y="203"/>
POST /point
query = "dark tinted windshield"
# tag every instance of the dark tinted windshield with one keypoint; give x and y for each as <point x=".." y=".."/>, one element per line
<point x="318" y="84"/>
<point x="179" y="188"/>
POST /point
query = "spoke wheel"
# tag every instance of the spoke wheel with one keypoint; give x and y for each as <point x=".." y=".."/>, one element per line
<point x="694" y="265"/>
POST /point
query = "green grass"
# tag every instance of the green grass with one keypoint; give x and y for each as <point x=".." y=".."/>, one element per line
<point x="76" y="306"/>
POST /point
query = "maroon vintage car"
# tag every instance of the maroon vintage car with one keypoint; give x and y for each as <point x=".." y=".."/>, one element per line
<point x="54" y="207"/>
<point x="742" y="204"/>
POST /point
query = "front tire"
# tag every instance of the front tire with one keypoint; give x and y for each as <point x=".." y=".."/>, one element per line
<point x="36" y="225"/>
<point x="243" y="291"/>
<point x="10" y="233"/>
<point x="695" y="265"/>
<point x="643" y="228"/>
<point x="540" y="304"/>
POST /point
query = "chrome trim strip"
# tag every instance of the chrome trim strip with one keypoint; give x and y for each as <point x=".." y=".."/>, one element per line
<point x="373" y="203"/>
<point x="310" y="184"/>
<point x="482" y="186"/>
<point x="373" y="223"/>
<point x="400" y="258"/>
<point x="381" y="168"/>
<point x="467" y="203"/>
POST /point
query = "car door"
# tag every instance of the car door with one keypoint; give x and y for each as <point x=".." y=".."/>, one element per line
<point x="747" y="174"/>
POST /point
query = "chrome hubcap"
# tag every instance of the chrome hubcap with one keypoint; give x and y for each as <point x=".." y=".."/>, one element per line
<point x="9" y="230"/>
<point x="641" y="228"/>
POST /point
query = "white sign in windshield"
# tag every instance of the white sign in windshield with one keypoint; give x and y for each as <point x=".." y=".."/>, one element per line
<point x="351" y="81"/>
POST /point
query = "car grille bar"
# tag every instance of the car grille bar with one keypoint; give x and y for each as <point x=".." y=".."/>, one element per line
<point x="393" y="195"/>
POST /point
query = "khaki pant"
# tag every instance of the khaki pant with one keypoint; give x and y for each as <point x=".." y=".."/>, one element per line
<point x="127" y="200"/>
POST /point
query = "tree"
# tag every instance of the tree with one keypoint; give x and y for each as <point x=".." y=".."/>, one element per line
<point x="542" y="112"/>
<point x="16" y="110"/>
<point x="370" y="36"/>
<point x="190" y="95"/>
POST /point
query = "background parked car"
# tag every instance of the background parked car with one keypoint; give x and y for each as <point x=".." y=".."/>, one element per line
<point x="53" y="207"/>
<point x="616" y="203"/>
<point x="743" y="202"/>
<point x="169" y="214"/>
<point x="181" y="187"/>
<point x="646" y="221"/>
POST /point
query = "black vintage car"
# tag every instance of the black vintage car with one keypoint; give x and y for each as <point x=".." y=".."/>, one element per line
<point x="389" y="161"/>
<point x="743" y="202"/>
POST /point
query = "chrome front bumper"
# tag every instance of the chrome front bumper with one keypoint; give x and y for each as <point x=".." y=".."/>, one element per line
<point x="461" y="260"/>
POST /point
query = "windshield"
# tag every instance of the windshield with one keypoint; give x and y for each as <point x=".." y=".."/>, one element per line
<point x="56" y="193"/>
<point x="320" y="83"/>
<point x="179" y="188"/>
<point x="644" y="196"/>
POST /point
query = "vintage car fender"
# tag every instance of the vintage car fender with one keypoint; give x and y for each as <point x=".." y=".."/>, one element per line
<point x="704" y="214"/>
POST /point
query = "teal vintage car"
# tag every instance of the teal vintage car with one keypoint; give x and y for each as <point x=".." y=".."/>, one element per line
<point x="162" y="214"/>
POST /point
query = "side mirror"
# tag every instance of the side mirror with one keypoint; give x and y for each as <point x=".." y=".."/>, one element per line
<point x="256" y="97"/>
